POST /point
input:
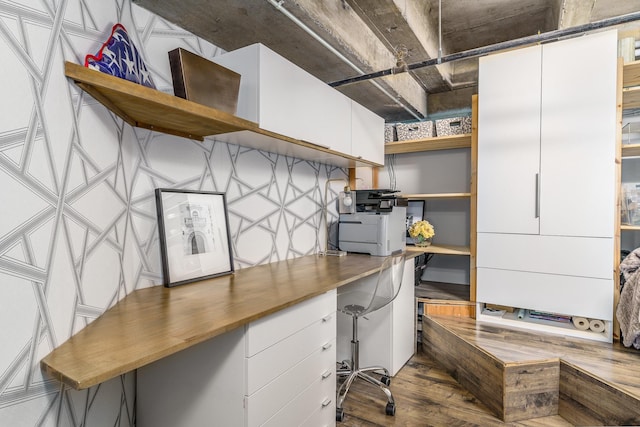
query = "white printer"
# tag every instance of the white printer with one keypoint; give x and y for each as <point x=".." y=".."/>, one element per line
<point x="378" y="225"/>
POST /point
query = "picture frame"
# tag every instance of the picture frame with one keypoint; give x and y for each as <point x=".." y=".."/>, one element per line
<point x="195" y="241"/>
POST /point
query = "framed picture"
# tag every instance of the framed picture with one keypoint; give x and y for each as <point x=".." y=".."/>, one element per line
<point x="194" y="235"/>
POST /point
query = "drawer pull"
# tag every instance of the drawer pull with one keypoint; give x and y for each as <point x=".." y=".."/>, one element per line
<point x="326" y="374"/>
<point x="325" y="319"/>
<point x="326" y="403"/>
<point x="327" y="346"/>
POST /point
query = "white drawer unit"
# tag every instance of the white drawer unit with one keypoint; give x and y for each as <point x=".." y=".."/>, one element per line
<point x="286" y="353"/>
<point x="274" y="328"/>
<point x="319" y="395"/>
<point x="278" y="370"/>
<point x="279" y="393"/>
<point x="275" y="360"/>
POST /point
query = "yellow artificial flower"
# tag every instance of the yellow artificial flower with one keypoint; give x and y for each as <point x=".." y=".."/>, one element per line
<point x="422" y="228"/>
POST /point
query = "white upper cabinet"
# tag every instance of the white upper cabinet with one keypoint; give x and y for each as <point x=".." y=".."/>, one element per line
<point x="546" y="139"/>
<point x="283" y="98"/>
<point x="509" y="141"/>
<point x="578" y="132"/>
<point x="366" y="128"/>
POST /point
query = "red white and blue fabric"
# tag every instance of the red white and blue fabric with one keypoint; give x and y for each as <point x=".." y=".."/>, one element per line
<point x="119" y="57"/>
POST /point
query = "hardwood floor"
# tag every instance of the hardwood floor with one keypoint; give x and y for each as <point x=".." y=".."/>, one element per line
<point x="425" y="395"/>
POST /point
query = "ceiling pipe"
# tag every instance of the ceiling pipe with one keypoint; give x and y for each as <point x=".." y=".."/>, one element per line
<point x="278" y="5"/>
<point x="481" y="51"/>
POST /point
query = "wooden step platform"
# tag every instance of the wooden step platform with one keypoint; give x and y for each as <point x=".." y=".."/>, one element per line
<point x="521" y="375"/>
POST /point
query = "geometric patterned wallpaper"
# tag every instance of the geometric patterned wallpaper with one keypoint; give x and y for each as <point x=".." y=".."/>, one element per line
<point x="78" y="226"/>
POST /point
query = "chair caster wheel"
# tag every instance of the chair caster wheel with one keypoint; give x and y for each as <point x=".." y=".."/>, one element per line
<point x="385" y="380"/>
<point x="390" y="409"/>
<point x="340" y="414"/>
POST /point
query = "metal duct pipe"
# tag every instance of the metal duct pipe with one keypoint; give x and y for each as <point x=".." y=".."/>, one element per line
<point x="278" y="5"/>
<point x="481" y="51"/>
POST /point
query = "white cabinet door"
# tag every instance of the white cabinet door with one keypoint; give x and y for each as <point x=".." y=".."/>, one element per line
<point x="578" y="136"/>
<point x="297" y="104"/>
<point x="387" y="335"/>
<point x="509" y="141"/>
<point x="285" y="99"/>
<point x="195" y="386"/>
<point x="367" y="134"/>
<point x="404" y="315"/>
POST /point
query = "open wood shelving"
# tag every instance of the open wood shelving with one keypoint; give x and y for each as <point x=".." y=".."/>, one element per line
<point x="148" y="108"/>
<point x="428" y="144"/>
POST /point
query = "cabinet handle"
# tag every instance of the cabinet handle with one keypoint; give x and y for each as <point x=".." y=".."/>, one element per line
<point x="326" y="374"/>
<point x="537" y="195"/>
<point x="325" y="319"/>
<point x="326" y="147"/>
<point x="326" y="403"/>
<point x="327" y="346"/>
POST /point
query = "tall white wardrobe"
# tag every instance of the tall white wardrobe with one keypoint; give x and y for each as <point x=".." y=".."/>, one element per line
<point x="547" y="180"/>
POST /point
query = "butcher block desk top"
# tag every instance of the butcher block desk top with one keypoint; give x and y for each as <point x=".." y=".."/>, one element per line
<point x="152" y="323"/>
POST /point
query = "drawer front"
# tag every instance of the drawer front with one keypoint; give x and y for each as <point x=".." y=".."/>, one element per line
<point x="320" y="395"/>
<point x="267" y="401"/>
<point x="267" y="365"/>
<point x="271" y="329"/>
<point x="569" y="295"/>
<point x="573" y="256"/>
<point x="323" y="417"/>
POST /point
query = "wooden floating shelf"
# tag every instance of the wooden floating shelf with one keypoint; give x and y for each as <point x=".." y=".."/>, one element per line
<point x="631" y="74"/>
<point x="437" y="196"/>
<point x="428" y="144"/>
<point x="148" y="108"/>
<point x="630" y="227"/>
<point x="631" y="150"/>
<point x="631" y="85"/>
<point x="441" y="249"/>
<point x="631" y="97"/>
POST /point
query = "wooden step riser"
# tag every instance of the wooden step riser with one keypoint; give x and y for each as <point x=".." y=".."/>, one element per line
<point x="512" y="391"/>
<point x="587" y="400"/>
<point x="516" y="391"/>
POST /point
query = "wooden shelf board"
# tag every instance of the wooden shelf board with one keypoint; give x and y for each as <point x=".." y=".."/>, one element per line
<point x="630" y="227"/>
<point x="631" y="150"/>
<point x="437" y="196"/>
<point x="428" y="144"/>
<point x="442" y="292"/>
<point x="151" y="323"/>
<point x="151" y="109"/>
<point x="631" y="74"/>
<point x="631" y="97"/>
<point x="441" y="249"/>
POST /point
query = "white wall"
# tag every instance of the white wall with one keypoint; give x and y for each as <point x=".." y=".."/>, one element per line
<point x="78" y="225"/>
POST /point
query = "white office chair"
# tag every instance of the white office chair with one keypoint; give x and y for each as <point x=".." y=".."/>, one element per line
<point x="357" y="304"/>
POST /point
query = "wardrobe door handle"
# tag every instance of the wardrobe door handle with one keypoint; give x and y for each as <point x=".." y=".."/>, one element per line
<point x="326" y="375"/>
<point x="327" y="346"/>
<point x="537" y="195"/>
<point x="326" y="403"/>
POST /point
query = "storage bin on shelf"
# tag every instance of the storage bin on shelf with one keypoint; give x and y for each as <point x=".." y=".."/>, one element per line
<point x="389" y="132"/>
<point x="415" y="130"/>
<point x="453" y="126"/>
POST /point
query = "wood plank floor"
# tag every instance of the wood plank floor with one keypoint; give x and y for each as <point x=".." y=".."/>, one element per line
<point x="425" y="395"/>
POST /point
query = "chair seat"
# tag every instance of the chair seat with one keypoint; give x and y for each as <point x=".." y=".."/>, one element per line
<point x="353" y="309"/>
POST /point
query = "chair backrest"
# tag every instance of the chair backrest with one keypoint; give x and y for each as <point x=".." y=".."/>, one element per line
<point x="388" y="283"/>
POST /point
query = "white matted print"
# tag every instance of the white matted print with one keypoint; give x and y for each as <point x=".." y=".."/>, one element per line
<point x="194" y="235"/>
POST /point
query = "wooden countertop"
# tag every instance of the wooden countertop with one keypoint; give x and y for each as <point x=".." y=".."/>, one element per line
<point x="152" y="323"/>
